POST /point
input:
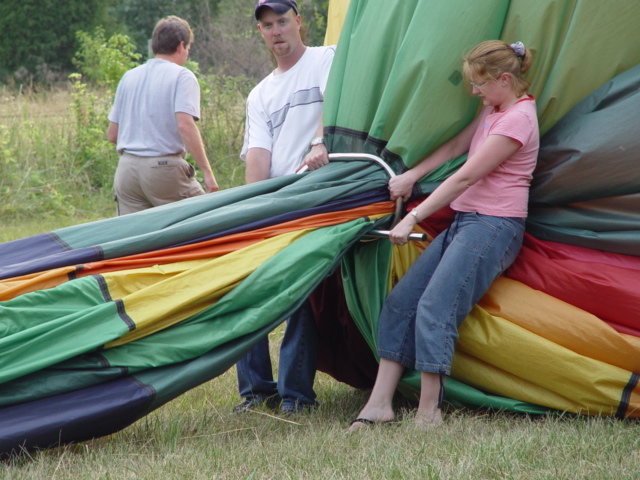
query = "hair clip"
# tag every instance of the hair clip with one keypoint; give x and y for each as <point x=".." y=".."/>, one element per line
<point x="518" y="49"/>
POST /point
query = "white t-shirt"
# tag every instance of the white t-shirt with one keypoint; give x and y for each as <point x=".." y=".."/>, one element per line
<point x="147" y="100"/>
<point x="283" y="111"/>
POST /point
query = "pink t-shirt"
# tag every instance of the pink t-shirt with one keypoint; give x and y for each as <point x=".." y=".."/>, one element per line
<point x="505" y="191"/>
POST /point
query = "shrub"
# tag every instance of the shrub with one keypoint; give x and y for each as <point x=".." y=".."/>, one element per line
<point x="93" y="155"/>
<point x="222" y="125"/>
<point x="104" y="61"/>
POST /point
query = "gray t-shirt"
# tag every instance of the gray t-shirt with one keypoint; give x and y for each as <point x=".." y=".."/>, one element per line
<point x="147" y="99"/>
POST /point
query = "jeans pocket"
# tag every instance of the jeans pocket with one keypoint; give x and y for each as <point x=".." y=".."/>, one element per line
<point x="514" y="233"/>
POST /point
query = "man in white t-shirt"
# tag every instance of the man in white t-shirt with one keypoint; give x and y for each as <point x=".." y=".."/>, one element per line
<point x="284" y="121"/>
<point x="153" y="124"/>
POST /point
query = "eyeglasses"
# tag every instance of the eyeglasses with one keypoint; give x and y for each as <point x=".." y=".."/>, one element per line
<point x="478" y="85"/>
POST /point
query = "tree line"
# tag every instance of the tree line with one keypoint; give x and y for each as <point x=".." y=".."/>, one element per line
<point x="40" y="38"/>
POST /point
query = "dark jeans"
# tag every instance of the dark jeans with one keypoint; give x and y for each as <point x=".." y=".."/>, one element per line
<point x="296" y="368"/>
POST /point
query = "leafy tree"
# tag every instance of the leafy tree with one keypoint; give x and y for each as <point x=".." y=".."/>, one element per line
<point x="42" y="32"/>
<point x="39" y="36"/>
<point x="104" y="61"/>
<point x="314" y="15"/>
<point x="140" y="16"/>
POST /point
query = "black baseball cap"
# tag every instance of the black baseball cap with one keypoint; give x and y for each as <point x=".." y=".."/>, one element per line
<point x="278" y="6"/>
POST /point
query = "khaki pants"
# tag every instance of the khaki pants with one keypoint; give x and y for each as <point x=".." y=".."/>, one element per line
<point x="145" y="182"/>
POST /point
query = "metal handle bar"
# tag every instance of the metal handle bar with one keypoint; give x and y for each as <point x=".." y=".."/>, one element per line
<point x="375" y="159"/>
<point x="416" y="237"/>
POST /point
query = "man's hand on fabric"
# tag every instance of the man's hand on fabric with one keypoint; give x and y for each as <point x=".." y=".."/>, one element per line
<point x="317" y="157"/>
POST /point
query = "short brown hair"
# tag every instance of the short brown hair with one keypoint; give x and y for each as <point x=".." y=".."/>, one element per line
<point x="169" y="33"/>
<point x="493" y="58"/>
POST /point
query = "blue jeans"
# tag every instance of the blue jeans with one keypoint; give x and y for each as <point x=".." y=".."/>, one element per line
<point x="296" y="368"/>
<point x="419" y="322"/>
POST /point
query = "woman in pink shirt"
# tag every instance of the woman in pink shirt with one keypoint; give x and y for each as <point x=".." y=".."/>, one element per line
<point x="418" y="326"/>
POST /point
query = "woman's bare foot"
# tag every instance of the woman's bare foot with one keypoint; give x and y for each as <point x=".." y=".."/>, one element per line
<point x="379" y="407"/>
<point x="428" y="420"/>
<point x="369" y="416"/>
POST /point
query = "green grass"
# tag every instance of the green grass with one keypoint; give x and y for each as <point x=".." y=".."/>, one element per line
<point x="13" y="229"/>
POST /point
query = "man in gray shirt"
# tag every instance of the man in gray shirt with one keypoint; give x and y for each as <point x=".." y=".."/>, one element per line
<point x="153" y="124"/>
